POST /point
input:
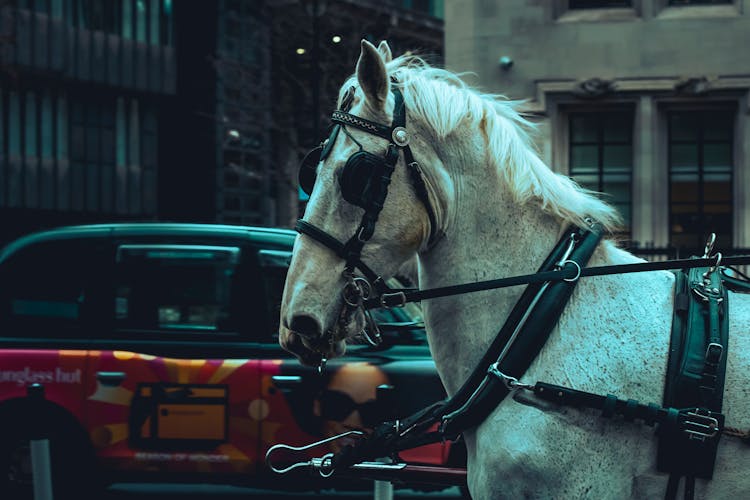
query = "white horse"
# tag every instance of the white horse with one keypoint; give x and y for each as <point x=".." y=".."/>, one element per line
<point x="498" y="211"/>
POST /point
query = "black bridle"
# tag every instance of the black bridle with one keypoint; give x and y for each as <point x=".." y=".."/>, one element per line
<point x="364" y="182"/>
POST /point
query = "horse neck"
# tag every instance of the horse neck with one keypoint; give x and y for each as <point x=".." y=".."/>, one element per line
<point x="484" y="240"/>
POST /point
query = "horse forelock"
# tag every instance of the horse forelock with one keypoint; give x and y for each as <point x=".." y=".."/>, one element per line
<point x="446" y="104"/>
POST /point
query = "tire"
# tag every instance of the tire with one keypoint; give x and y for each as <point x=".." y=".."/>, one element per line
<point x="71" y="457"/>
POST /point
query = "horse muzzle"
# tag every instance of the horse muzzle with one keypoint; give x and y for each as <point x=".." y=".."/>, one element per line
<point x="306" y="340"/>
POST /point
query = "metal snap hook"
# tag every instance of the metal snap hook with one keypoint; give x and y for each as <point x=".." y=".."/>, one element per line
<point x="714" y="267"/>
<point x="709" y="246"/>
<point x="326" y="468"/>
<point x="324" y="464"/>
<point x="375" y="339"/>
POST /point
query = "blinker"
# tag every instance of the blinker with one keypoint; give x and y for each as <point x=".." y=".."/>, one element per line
<point x="308" y="170"/>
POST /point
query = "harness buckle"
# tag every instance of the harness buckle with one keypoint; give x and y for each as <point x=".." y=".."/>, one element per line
<point x="714" y="351"/>
<point x="700" y="425"/>
<point x="386" y="296"/>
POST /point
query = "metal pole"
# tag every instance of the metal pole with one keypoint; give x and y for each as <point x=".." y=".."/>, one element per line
<point x="383" y="490"/>
<point x="315" y="68"/>
<point x="41" y="465"/>
<point x="386" y="397"/>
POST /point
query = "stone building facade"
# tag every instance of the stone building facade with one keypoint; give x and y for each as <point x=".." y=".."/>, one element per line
<point x="644" y="100"/>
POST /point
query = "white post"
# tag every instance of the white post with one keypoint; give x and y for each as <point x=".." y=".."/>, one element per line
<point x="41" y="466"/>
<point x="41" y="469"/>
<point x="385" y="396"/>
<point x="383" y="490"/>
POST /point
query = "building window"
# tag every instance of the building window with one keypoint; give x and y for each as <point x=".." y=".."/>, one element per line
<point x="92" y="150"/>
<point x="165" y="22"/>
<point x="433" y="7"/>
<point x="601" y="157"/>
<point x="698" y="2"/>
<point x="97" y="15"/>
<point x="141" y="21"/>
<point x="598" y="4"/>
<point x="700" y="178"/>
<point x="147" y="21"/>
<point x="127" y="19"/>
<point x="42" y="6"/>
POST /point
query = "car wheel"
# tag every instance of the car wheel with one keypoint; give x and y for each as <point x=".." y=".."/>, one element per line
<point x="71" y="462"/>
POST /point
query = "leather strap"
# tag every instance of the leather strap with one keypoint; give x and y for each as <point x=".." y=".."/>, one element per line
<point x="567" y="272"/>
<point x="482" y="391"/>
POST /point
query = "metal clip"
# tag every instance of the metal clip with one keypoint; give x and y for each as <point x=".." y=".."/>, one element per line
<point x="324" y="464"/>
<point x="715" y="266"/>
<point x="511" y="383"/>
<point x="372" y="328"/>
<point x="571" y="245"/>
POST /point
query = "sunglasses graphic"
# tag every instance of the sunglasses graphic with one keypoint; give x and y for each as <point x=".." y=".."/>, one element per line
<point x="336" y="405"/>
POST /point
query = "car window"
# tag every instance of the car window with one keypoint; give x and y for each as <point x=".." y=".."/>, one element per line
<point x="45" y="288"/>
<point x="274" y="266"/>
<point x="185" y="288"/>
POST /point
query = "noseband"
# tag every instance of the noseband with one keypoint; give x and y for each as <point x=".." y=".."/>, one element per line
<point x="364" y="182"/>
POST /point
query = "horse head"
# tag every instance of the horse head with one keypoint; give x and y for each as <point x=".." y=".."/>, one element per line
<point x="373" y="153"/>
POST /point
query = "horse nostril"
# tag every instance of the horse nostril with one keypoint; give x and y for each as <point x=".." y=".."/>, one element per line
<point x="305" y="326"/>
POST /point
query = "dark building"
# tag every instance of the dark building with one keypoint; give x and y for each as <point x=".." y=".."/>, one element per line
<point x="181" y="110"/>
<point x="81" y="86"/>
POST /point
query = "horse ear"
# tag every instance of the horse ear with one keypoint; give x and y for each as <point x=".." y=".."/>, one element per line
<point x="372" y="76"/>
<point x="385" y="51"/>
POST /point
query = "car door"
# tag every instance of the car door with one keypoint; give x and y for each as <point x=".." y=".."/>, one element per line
<point x="45" y="319"/>
<point x="175" y="390"/>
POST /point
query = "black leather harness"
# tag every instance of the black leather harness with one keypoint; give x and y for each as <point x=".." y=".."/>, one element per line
<point x="695" y="374"/>
<point x="689" y="422"/>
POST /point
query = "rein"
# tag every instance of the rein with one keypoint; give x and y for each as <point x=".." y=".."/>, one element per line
<point x="570" y="272"/>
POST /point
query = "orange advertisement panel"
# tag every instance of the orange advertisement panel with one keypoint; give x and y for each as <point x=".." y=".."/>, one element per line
<point x="177" y="415"/>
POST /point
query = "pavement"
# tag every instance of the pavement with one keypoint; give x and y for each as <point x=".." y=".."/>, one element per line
<point x="169" y="491"/>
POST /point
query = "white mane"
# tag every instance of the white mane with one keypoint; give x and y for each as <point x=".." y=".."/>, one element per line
<point x="444" y="101"/>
